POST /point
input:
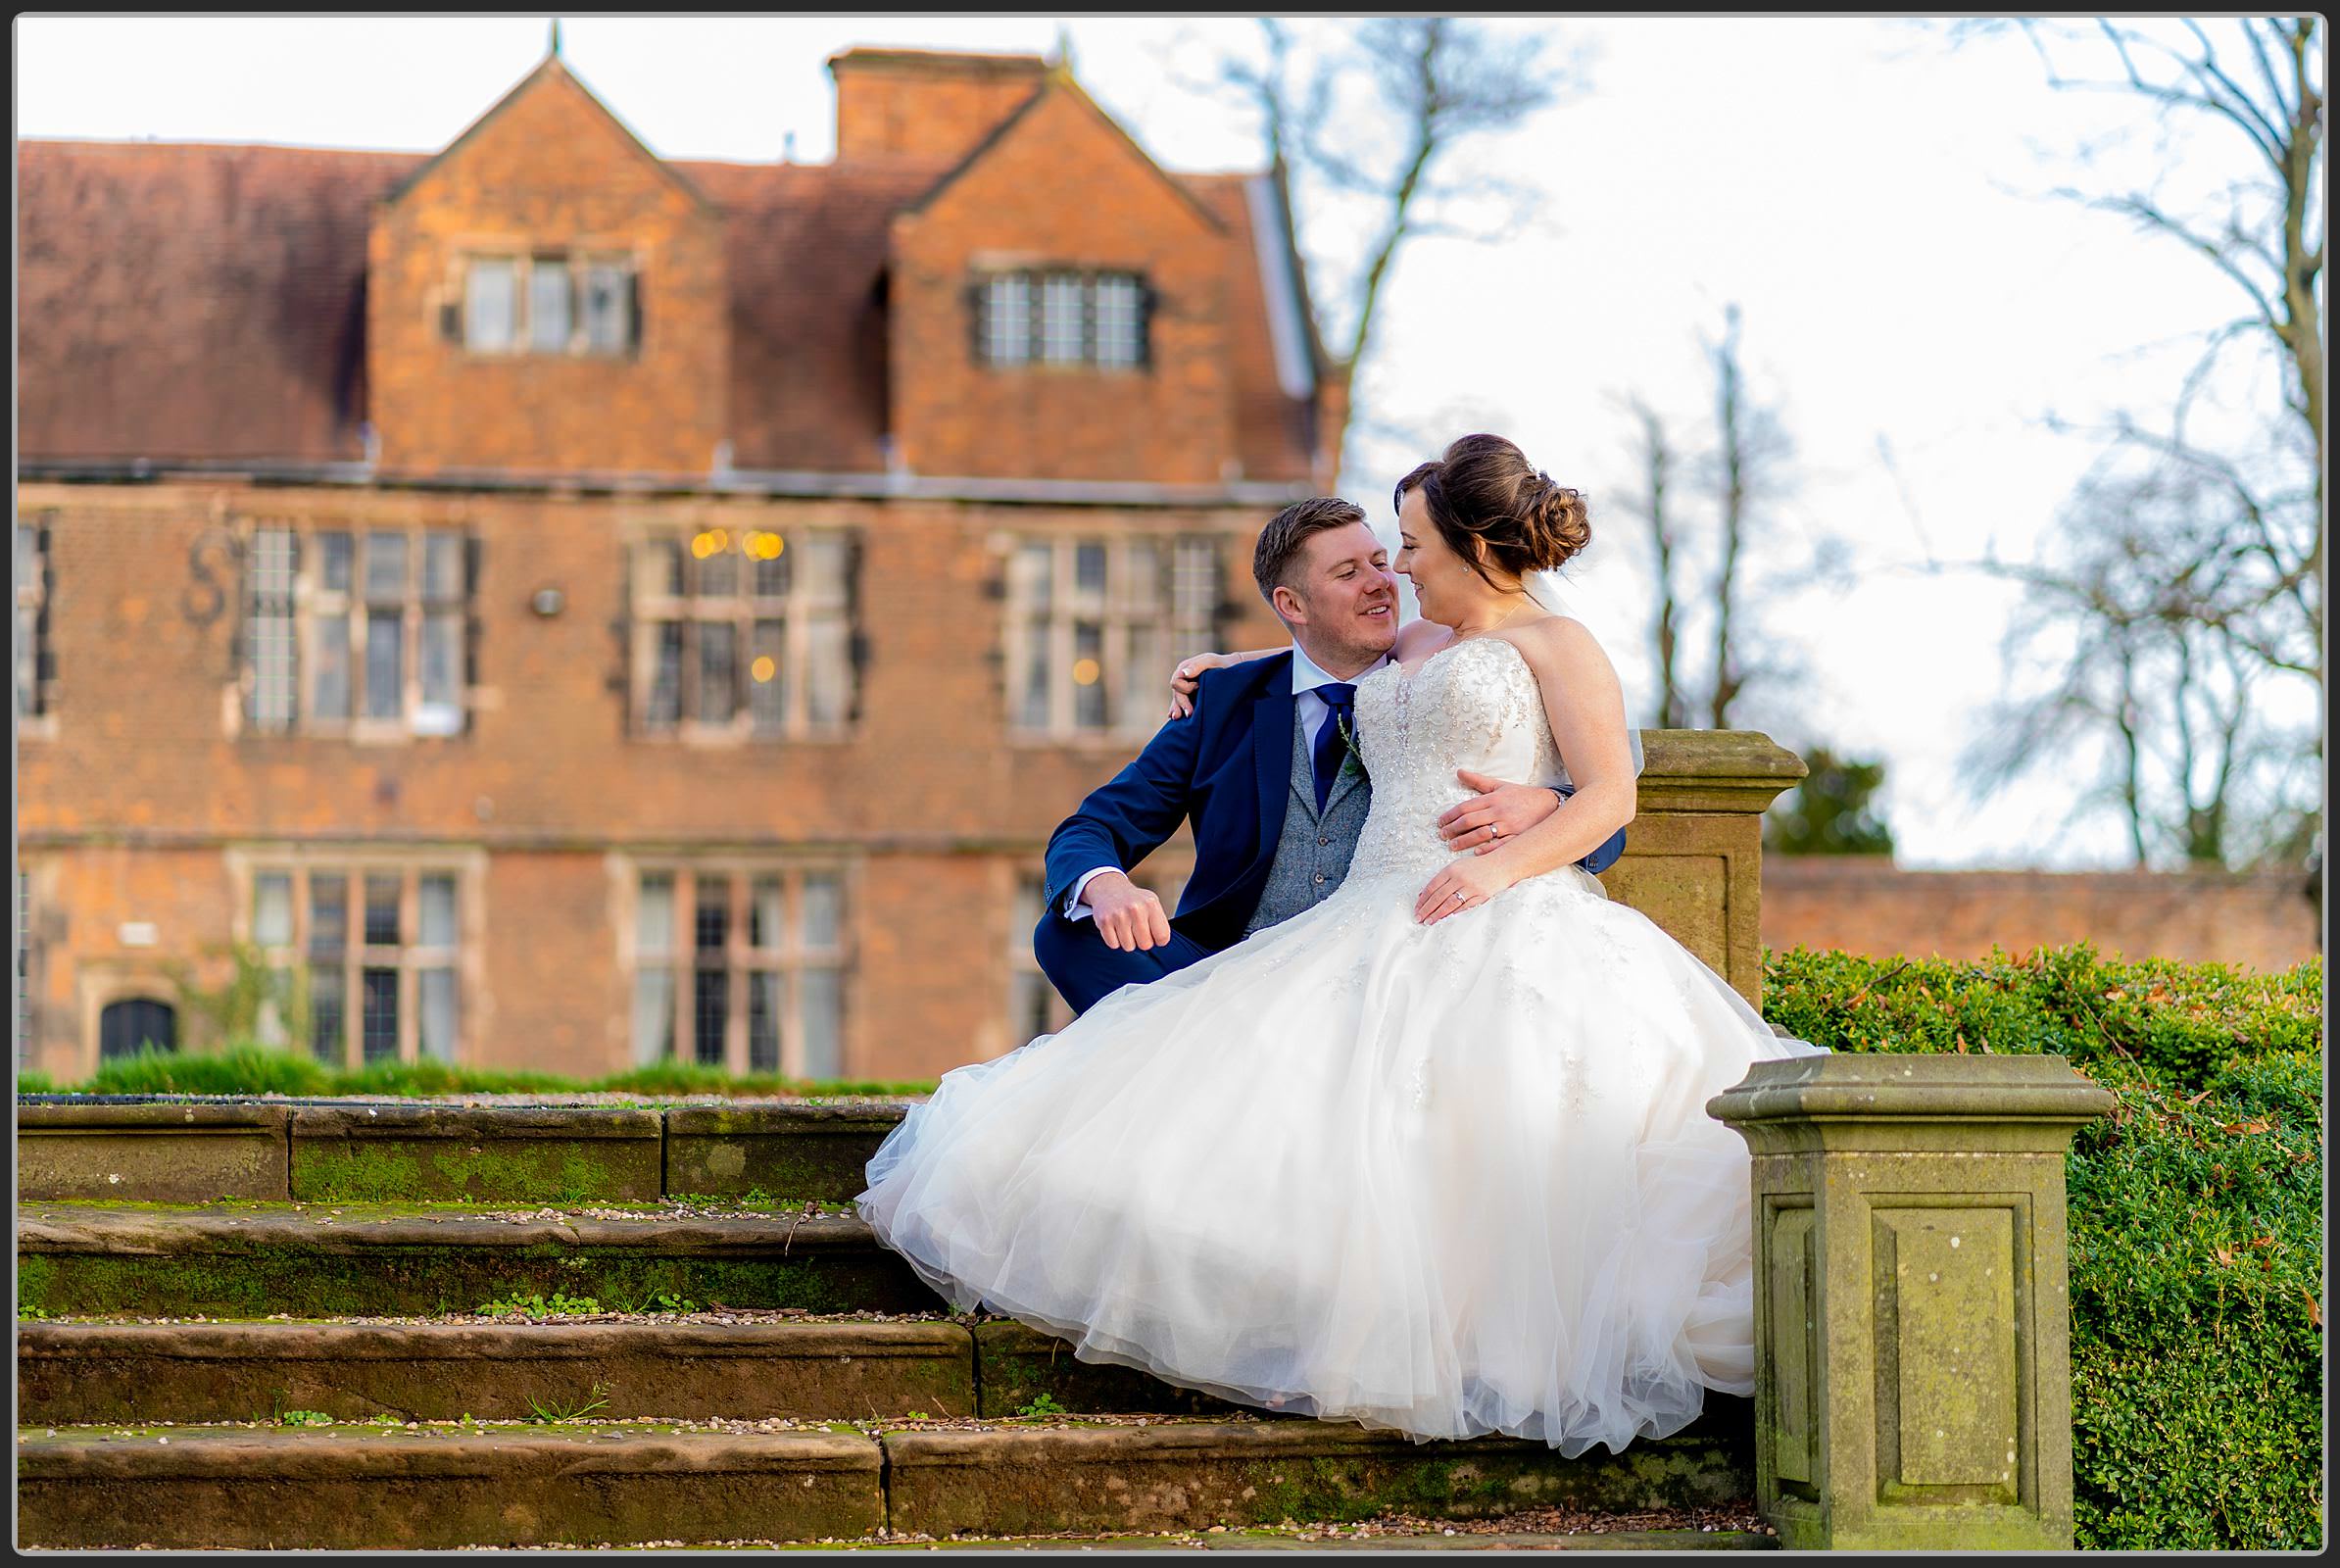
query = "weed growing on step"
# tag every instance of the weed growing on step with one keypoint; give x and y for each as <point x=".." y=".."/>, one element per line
<point x="305" y="1418"/>
<point x="1043" y="1405"/>
<point x="536" y="1305"/>
<point x="552" y="1411"/>
<point x="676" y="1303"/>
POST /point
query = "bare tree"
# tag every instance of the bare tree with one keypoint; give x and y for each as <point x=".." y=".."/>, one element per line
<point x="2187" y="574"/>
<point x="1748" y="472"/>
<point x="1751" y="450"/>
<point x="1362" y="129"/>
<point x="1654" y="458"/>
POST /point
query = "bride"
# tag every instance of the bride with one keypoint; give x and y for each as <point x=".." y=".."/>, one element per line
<point x="1431" y="1156"/>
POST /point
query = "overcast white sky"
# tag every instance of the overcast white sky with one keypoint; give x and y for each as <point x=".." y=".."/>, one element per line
<point x="1867" y="195"/>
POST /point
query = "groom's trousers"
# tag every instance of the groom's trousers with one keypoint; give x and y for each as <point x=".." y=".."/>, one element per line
<point x="1084" y="970"/>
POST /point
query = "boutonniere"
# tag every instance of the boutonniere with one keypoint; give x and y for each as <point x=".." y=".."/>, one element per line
<point x="1355" y="762"/>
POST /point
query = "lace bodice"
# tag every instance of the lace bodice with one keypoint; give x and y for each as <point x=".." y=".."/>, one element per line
<point x="1473" y="705"/>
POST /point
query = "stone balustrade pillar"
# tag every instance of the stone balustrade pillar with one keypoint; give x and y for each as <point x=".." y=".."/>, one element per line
<point x="1911" y="1314"/>
<point x="1693" y="855"/>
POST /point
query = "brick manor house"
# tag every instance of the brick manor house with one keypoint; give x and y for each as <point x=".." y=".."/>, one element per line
<point x="540" y="604"/>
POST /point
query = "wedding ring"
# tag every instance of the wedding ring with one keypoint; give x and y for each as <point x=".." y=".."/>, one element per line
<point x="1495" y="830"/>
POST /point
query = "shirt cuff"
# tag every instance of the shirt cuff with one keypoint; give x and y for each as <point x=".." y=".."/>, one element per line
<point x="1074" y="908"/>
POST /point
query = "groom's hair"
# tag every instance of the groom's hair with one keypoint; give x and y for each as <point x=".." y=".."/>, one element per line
<point x="1281" y="540"/>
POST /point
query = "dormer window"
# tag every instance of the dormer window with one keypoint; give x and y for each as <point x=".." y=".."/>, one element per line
<point x="1061" y="318"/>
<point x="548" y="303"/>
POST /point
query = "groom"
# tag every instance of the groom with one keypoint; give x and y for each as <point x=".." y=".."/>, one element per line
<point x="1258" y="767"/>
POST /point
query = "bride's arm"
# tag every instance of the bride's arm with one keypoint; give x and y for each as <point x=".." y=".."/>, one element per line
<point x="1585" y="707"/>
<point x="1189" y="674"/>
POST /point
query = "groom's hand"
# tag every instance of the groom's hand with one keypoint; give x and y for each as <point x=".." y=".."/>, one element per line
<point x="1499" y="810"/>
<point x="1128" y="918"/>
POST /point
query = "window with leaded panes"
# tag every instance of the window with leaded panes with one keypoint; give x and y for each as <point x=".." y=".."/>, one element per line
<point x="557" y="301"/>
<point x="741" y="967"/>
<point x="361" y="959"/>
<point x="743" y="634"/>
<point x="1061" y="318"/>
<point x="1093" y="625"/>
<point x="358" y="632"/>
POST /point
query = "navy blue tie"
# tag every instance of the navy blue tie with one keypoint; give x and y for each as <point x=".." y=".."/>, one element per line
<point x="1331" y="747"/>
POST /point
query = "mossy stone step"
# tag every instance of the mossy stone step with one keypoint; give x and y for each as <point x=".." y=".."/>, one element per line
<point x="135" y="1372"/>
<point x="679" y="1366"/>
<point x="1188" y="1475"/>
<point x="161" y="1153"/>
<point x="325" y="1488"/>
<point x="171" y="1151"/>
<point x="391" y="1261"/>
<point x="802" y="1150"/>
<point x="347" y="1488"/>
<point x="502" y="1154"/>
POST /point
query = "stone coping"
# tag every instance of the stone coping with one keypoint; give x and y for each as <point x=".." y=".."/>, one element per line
<point x="1854" y="1085"/>
<point x="193" y="1149"/>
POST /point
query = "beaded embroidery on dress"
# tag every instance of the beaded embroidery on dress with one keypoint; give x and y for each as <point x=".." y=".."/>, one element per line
<point x="1449" y="1180"/>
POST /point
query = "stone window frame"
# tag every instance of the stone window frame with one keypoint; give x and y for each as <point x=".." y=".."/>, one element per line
<point x="743" y="959"/>
<point x="292" y="962"/>
<point x="799" y="620"/>
<point x="1060" y="620"/>
<point x="293" y="597"/>
<point x="578" y="261"/>
<point x="33" y="657"/>
<point x="1107" y="297"/>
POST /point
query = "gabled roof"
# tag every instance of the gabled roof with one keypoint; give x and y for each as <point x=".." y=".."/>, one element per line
<point x="552" y="68"/>
<point x="1060" y="80"/>
<point x="203" y="303"/>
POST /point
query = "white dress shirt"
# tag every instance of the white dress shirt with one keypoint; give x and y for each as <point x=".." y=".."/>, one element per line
<point x="1311" y="710"/>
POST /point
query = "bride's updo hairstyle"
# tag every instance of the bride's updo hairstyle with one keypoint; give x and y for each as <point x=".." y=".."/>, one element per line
<point x="1483" y="489"/>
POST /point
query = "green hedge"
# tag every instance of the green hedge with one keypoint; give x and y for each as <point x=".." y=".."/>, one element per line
<point x="2196" y="1207"/>
<point x="248" y="1069"/>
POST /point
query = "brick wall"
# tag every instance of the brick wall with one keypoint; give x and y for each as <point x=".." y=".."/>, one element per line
<point x="1872" y="907"/>
<point x="130" y="811"/>
<point x="904" y="104"/>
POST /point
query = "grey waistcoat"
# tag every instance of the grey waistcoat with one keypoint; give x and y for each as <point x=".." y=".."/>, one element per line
<point x="1313" y="854"/>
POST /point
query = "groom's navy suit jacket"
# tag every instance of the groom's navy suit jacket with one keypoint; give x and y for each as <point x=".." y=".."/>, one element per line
<point x="1225" y="766"/>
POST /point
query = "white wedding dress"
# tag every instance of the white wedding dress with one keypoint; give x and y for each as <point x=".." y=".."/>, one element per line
<point x="1451" y="1179"/>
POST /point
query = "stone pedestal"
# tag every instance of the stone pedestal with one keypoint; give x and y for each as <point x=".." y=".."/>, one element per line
<point x="1912" y="1319"/>
<point x="1693" y="855"/>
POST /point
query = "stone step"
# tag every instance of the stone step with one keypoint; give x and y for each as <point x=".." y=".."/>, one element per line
<point x="184" y="1151"/>
<point x="353" y="1259"/>
<point x="1193" y="1473"/>
<point x="450" y="1486"/>
<point x="80" y="1373"/>
<point x="689" y="1365"/>
<point x="330" y="1489"/>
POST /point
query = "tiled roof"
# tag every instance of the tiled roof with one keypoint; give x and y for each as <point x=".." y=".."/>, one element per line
<point x="182" y="300"/>
<point x="193" y="302"/>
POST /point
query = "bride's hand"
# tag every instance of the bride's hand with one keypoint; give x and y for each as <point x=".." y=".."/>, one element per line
<point x="1188" y="676"/>
<point x="1464" y="885"/>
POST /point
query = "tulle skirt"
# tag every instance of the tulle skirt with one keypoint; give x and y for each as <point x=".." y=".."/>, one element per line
<point x="1448" y="1180"/>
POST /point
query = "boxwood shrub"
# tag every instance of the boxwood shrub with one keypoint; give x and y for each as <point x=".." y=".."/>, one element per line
<point x="2196" y="1213"/>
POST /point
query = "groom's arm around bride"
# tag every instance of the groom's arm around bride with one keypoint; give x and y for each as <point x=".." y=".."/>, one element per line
<point x="1259" y="767"/>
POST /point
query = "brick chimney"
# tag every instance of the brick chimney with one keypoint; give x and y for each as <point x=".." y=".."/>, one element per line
<point x="925" y="105"/>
